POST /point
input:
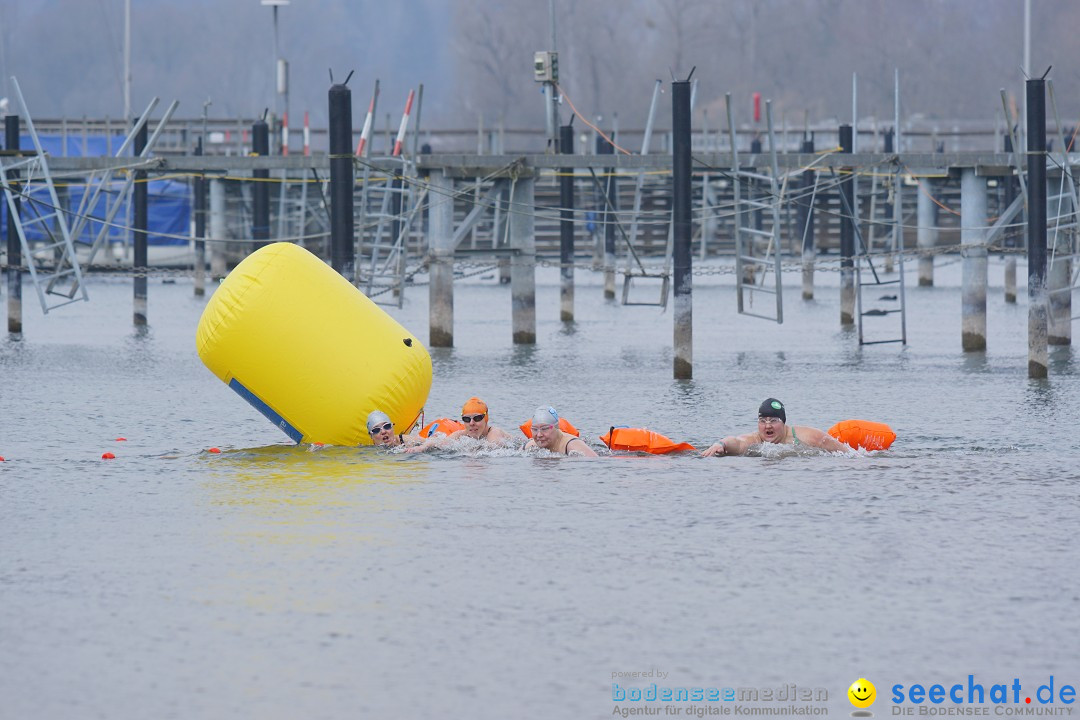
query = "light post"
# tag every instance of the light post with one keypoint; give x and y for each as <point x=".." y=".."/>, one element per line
<point x="281" y="77"/>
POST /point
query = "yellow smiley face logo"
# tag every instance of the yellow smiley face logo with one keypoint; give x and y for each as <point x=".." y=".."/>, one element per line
<point x="862" y="693"/>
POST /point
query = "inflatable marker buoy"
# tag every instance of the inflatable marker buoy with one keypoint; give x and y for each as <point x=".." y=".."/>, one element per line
<point x="564" y="425"/>
<point x="864" y="434"/>
<point x="642" y="440"/>
<point x="441" y="426"/>
<point x="310" y="351"/>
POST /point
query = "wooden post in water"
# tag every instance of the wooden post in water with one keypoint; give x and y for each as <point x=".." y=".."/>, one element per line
<point x="682" y="230"/>
<point x="927" y="233"/>
<point x="847" y="234"/>
<point x="611" y="207"/>
<point x="566" y="227"/>
<point x="973" y="250"/>
<point x="342" y="181"/>
<point x="140" y="218"/>
<point x="441" y="265"/>
<point x="804" y="224"/>
<point x="199" y="208"/>
<point x="14" y="248"/>
<point x="523" y="261"/>
<point x="1038" y="359"/>
<point x="218" y="229"/>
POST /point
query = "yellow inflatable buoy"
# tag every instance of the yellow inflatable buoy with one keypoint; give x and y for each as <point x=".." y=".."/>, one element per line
<point x="310" y="351"/>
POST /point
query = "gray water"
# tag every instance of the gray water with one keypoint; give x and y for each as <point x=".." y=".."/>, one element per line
<point x="276" y="581"/>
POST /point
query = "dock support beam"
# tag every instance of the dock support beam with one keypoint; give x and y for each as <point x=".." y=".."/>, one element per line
<point x="566" y="228"/>
<point x="1038" y="359"/>
<point x="1059" y="278"/>
<point x="342" y="182"/>
<point x="681" y="219"/>
<point x="973" y="249"/>
<point x="218" y="229"/>
<point x="927" y="232"/>
<point x="804" y="225"/>
<point x="441" y="267"/>
<point x="140" y="221"/>
<point x="523" y="262"/>
<point x="260" y="190"/>
<point x="14" y="247"/>
<point x="198" y="189"/>
<point x="847" y="235"/>
<point x="610" y="217"/>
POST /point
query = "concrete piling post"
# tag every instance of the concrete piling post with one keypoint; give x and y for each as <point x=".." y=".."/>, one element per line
<point x="260" y="191"/>
<point x="1059" y="292"/>
<point x="927" y="233"/>
<point x="441" y="266"/>
<point x="1038" y="359"/>
<point x="140" y="219"/>
<point x="973" y="230"/>
<point x="199" y="208"/>
<point x="890" y="206"/>
<point x="1012" y="189"/>
<point x="847" y="235"/>
<point x="682" y="231"/>
<point x="804" y="225"/>
<point x="218" y="229"/>
<point x="14" y="247"/>
<point x="342" y="180"/>
<point x="566" y="228"/>
<point x="611" y="207"/>
<point x="523" y="261"/>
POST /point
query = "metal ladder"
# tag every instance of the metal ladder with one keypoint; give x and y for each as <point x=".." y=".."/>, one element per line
<point x="385" y="272"/>
<point x="54" y="261"/>
<point x="1065" y="220"/>
<point x="748" y="239"/>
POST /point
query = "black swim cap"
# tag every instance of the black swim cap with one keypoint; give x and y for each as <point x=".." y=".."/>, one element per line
<point x="772" y="408"/>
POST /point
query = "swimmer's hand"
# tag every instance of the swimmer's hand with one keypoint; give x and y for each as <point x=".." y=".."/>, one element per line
<point x="715" y="450"/>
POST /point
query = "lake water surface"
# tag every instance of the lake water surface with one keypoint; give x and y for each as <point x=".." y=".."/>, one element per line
<point x="276" y="581"/>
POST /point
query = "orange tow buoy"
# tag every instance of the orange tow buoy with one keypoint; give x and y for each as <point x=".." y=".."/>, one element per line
<point x="442" y="426"/>
<point x="865" y="434"/>
<point x="642" y="440"/>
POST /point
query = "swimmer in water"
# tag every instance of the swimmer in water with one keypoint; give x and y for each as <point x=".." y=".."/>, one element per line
<point x="477" y="421"/>
<point x="773" y="428"/>
<point x="381" y="430"/>
<point x="546" y="434"/>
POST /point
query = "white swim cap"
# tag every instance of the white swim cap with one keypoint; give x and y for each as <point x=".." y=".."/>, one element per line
<point x="377" y="417"/>
<point x="545" y="415"/>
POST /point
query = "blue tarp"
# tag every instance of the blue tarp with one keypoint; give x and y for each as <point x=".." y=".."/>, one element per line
<point x="168" y="211"/>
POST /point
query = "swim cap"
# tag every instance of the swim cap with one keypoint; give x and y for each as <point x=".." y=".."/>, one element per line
<point x="772" y="408"/>
<point x="377" y="417"/>
<point x="474" y="405"/>
<point x="545" y="415"/>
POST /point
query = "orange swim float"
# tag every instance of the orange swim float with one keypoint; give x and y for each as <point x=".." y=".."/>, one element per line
<point x="441" y="426"/>
<point x="642" y="440"/>
<point x="864" y="434"/>
<point x="564" y="425"/>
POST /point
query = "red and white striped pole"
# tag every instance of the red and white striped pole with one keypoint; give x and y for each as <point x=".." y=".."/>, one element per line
<point x="404" y="123"/>
<point x="284" y="133"/>
<point x="307" y="135"/>
<point x="365" y="133"/>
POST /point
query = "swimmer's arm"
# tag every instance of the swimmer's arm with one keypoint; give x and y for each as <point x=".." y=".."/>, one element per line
<point x="731" y="445"/>
<point x="823" y="440"/>
<point x="530" y="445"/>
<point x="434" y="441"/>
<point x="582" y="449"/>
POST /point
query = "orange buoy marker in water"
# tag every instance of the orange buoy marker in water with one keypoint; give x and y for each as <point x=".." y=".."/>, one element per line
<point x="214" y="450"/>
<point x="642" y="440"/>
<point x="108" y="456"/>
<point x="864" y="434"/>
<point x="121" y="439"/>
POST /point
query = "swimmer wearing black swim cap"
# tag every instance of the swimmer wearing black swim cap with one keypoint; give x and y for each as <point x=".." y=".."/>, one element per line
<point x="773" y="428"/>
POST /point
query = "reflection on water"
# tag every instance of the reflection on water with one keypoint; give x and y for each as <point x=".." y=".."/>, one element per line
<point x="279" y="581"/>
